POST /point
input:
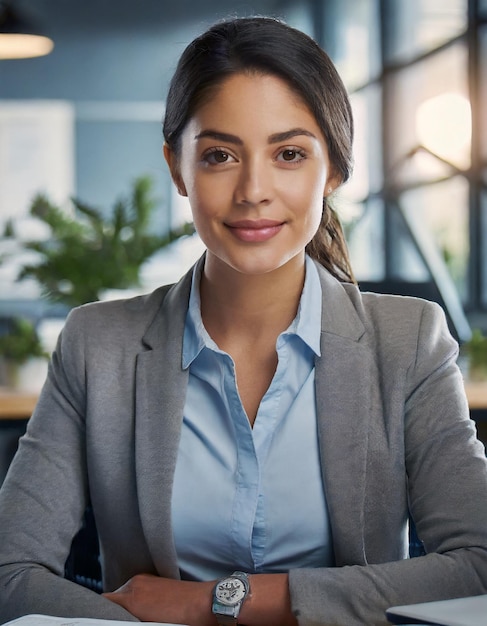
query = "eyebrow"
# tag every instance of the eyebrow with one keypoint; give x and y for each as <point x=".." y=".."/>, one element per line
<point x="275" y="138"/>
<point x="289" y="134"/>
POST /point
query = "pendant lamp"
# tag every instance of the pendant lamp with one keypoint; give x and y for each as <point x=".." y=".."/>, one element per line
<point x="20" y="38"/>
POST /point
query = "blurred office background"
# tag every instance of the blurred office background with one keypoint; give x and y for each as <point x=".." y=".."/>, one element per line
<point x="85" y="121"/>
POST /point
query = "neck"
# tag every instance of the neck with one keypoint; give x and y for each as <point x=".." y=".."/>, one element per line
<point x="250" y="304"/>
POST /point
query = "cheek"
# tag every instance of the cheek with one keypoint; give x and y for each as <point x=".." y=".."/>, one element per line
<point x="200" y="217"/>
<point x="205" y="202"/>
<point x="201" y="225"/>
<point x="314" y="218"/>
<point x="307" y="198"/>
<point x="194" y="190"/>
<point x="202" y="202"/>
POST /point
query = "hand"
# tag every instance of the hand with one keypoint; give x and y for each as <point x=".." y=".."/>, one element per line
<point x="154" y="599"/>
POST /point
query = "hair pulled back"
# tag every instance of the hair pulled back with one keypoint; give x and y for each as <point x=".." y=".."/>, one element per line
<point x="269" y="46"/>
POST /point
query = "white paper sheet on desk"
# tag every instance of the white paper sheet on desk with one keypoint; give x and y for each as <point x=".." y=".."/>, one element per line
<point x="471" y="611"/>
<point x="48" y="620"/>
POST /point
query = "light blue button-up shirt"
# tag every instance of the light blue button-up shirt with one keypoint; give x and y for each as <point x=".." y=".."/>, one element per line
<point x="251" y="498"/>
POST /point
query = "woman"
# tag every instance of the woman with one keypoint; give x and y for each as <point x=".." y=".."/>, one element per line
<point x="261" y="421"/>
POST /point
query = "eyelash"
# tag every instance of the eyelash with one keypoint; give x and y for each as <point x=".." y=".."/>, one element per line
<point x="210" y="155"/>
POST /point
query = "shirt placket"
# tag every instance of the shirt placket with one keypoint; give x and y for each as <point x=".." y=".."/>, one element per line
<point x="247" y="475"/>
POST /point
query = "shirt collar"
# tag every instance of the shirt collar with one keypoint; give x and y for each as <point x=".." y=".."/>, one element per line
<point x="195" y="336"/>
<point x="306" y="325"/>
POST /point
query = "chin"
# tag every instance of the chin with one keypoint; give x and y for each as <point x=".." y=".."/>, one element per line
<point x="257" y="264"/>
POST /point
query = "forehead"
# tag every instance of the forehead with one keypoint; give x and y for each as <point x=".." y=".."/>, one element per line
<point x="253" y="97"/>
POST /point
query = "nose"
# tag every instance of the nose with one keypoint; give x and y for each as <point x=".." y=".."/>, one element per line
<point x="254" y="185"/>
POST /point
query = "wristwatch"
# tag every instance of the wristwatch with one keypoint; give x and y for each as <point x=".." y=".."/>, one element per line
<point x="228" y="596"/>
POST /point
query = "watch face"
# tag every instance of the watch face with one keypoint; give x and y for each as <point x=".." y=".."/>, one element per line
<point x="230" y="591"/>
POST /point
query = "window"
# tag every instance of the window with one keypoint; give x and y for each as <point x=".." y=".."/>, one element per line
<point x="419" y="198"/>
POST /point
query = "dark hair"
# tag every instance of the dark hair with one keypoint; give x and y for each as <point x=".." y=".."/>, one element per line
<point x="269" y="46"/>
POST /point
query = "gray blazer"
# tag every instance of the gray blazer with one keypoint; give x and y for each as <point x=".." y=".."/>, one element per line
<point x="395" y="435"/>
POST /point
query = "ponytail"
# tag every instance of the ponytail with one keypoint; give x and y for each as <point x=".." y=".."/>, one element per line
<point x="329" y="247"/>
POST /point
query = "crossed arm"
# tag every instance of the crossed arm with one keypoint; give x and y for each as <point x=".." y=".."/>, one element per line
<point x="151" y="598"/>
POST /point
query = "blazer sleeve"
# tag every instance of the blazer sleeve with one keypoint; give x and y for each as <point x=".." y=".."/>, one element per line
<point x="446" y="476"/>
<point x="44" y="496"/>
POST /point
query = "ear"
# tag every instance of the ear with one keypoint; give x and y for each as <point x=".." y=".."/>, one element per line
<point x="173" y="164"/>
<point x="333" y="181"/>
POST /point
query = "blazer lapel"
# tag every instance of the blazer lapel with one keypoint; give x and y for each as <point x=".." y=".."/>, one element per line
<point x="343" y="399"/>
<point x="160" y="396"/>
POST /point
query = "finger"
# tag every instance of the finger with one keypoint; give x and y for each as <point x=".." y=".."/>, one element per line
<point x="113" y="596"/>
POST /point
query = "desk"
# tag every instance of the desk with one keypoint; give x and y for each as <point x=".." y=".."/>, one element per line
<point x="16" y="405"/>
<point x="476" y="394"/>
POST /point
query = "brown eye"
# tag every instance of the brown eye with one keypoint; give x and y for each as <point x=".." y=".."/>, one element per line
<point x="289" y="155"/>
<point x="220" y="157"/>
<point x="217" y="157"/>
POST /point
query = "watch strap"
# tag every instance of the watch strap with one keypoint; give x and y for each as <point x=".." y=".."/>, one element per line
<point x="226" y="620"/>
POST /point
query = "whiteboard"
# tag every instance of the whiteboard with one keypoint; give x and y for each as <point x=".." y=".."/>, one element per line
<point x="37" y="148"/>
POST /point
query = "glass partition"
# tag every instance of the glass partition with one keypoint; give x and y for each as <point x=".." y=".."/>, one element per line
<point x="442" y="210"/>
<point x="429" y="108"/>
<point x="419" y="196"/>
<point x="352" y="36"/>
<point x="365" y="236"/>
<point x="418" y="26"/>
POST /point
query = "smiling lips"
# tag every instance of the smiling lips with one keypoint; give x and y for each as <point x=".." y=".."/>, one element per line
<point x="255" y="230"/>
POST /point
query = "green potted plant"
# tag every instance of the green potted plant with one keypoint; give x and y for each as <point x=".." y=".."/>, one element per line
<point x="89" y="253"/>
<point x="22" y="355"/>
<point x="475" y="350"/>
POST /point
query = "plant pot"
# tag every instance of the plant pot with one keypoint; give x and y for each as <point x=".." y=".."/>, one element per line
<point x="25" y="377"/>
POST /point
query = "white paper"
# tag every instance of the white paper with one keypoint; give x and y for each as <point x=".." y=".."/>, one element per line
<point x="48" y="620"/>
<point x="471" y="611"/>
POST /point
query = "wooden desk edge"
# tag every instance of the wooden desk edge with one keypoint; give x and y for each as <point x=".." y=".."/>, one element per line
<point x="16" y="405"/>
<point x="476" y="394"/>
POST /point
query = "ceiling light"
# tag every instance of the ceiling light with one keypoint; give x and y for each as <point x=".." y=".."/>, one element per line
<point x="444" y="127"/>
<point x="20" y="38"/>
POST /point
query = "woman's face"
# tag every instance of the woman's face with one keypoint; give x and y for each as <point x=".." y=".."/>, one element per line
<point x="254" y="165"/>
